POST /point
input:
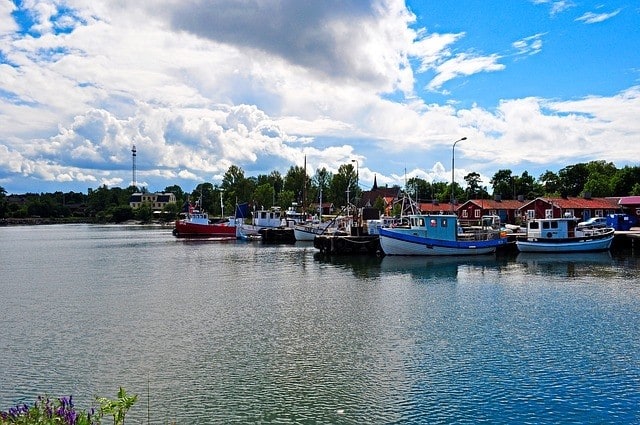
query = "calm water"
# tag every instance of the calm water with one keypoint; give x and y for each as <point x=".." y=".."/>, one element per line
<point x="220" y="332"/>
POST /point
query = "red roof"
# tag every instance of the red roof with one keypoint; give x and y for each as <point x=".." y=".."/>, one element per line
<point x="491" y="204"/>
<point x="579" y="203"/>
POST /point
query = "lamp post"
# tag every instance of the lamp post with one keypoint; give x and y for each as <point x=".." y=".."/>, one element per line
<point x="453" y="161"/>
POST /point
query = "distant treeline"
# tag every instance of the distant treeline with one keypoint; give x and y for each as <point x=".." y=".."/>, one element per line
<point x="596" y="178"/>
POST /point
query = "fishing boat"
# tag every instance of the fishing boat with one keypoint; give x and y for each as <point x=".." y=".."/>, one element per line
<point x="439" y="234"/>
<point x="196" y="223"/>
<point x="309" y="230"/>
<point x="563" y="235"/>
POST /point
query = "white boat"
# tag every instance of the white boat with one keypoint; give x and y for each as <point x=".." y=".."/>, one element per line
<point x="563" y="235"/>
<point x="431" y="234"/>
<point x="309" y="230"/>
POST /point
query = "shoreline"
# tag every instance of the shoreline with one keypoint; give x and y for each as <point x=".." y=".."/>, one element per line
<point x="37" y="221"/>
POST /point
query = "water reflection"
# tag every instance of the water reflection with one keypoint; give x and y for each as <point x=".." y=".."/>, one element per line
<point x="438" y="267"/>
<point x="362" y="266"/>
<point x="567" y="264"/>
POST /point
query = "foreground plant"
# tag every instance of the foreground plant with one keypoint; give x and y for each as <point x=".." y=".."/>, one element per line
<point x="62" y="411"/>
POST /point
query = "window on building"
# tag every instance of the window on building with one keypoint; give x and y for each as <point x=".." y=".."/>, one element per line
<point x="465" y="214"/>
<point x="548" y="213"/>
<point x="477" y="213"/>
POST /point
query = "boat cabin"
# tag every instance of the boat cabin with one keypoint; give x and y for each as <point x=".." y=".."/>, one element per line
<point x="443" y="227"/>
<point x="551" y="228"/>
<point x="268" y="218"/>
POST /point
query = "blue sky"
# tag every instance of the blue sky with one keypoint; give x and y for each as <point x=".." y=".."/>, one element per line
<point x="200" y="85"/>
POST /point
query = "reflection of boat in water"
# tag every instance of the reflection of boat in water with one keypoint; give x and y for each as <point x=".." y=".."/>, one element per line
<point x="572" y="263"/>
<point x="538" y="258"/>
<point x="442" y="266"/>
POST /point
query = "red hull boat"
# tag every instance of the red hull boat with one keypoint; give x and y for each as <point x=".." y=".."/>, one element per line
<point x="196" y="224"/>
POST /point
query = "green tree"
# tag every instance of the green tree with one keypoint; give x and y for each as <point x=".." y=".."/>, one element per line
<point x="343" y="180"/>
<point x="297" y="182"/>
<point x="624" y="180"/>
<point x="178" y="192"/>
<point x="573" y="179"/>
<point x="205" y="195"/>
<point x="3" y="202"/>
<point x="502" y="182"/>
<point x="144" y="213"/>
<point x="551" y="183"/>
<point x="286" y="198"/>
<point x="264" y="196"/>
<point x="123" y="213"/>
<point x="474" y="186"/>
<point x="379" y="204"/>
<point x="170" y="211"/>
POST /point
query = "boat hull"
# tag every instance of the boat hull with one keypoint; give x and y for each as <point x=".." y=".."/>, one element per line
<point x="308" y="233"/>
<point x="397" y="243"/>
<point x="186" y="229"/>
<point x="582" y="244"/>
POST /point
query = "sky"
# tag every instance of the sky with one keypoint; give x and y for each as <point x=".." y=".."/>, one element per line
<point x="386" y="85"/>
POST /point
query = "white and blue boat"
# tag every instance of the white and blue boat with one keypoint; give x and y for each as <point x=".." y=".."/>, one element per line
<point x="563" y="235"/>
<point x="439" y="234"/>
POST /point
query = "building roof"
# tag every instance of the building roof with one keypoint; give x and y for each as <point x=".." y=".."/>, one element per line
<point x="492" y="204"/>
<point x="629" y="200"/>
<point x="370" y="196"/>
<point x="578" y="203"/>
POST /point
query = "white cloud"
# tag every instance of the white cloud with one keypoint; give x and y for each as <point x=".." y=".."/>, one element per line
<point x="529" y="45"/>
<point x="464" y="64"/>
<point x="7" y="23"/>
<point x="557" y="6"/>
<point x="331" y="81"/>
<point x="594" y="18"/>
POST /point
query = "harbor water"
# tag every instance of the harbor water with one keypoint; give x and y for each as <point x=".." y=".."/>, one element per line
<point x="209" y="332"/>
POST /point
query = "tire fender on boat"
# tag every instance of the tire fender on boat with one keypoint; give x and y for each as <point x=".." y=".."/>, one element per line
<point x="549" y="234"/>
<point x="175" y="232"/>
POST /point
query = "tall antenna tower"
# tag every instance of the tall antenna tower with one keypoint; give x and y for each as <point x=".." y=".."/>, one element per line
<point x="133" y="154"/>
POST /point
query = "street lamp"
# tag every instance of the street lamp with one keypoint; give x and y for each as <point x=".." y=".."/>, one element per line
<point x="453" y="156"/>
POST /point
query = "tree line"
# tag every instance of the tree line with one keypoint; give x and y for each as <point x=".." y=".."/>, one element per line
<point x="296" y="188"/>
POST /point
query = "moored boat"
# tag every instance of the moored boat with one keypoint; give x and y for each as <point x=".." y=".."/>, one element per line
<point x="563" y="235"/>
<point x="430" y="234"/>
<point x="309" y="230"/>
<point x="196" y="223"/>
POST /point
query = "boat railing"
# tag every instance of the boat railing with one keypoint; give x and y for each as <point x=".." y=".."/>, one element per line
<point x="475" y="234"/>
<point x="594" y="231"/>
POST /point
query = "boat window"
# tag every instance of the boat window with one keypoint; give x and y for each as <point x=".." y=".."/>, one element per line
<point x="545" y="224"/>
<point x="444" y="222"/>
<point x="534" y="225"/>
<point x="554" y="224"/>
<point x="421" y="222"/>
<point x="433" y="222"/>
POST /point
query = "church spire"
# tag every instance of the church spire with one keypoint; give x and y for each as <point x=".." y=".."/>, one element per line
<point x="375" y="183"/>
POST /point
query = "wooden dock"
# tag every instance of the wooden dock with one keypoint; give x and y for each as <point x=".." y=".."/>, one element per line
<point x="277" y="235"/>
<point x="347" y="244"/>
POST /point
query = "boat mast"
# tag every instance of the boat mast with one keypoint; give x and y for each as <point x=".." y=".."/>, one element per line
<point x="304" y="186"/>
